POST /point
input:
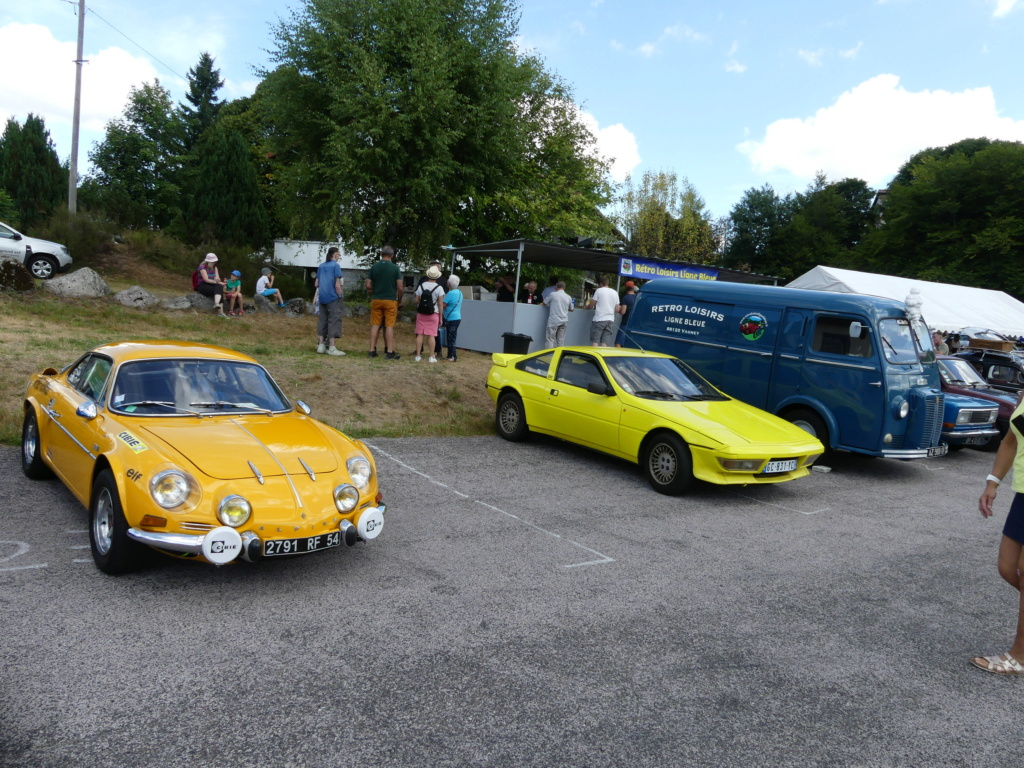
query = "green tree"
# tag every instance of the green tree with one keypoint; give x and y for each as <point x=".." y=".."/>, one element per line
<point x="664" y="216"/>
<point x="30" y="172"/>
<point x="202" y="107"/>
<point x="137" y="166"/>
<point x="419" y="122"/>
<point x="756" y="221"/>
<point x="959" y="219"/>
<point x="966" y="147"/>
<point x="227" y="204"/>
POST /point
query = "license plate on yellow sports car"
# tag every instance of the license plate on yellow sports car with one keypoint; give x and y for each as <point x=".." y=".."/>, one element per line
<point x="774" y="467"/>
<point x="277" y="547"/>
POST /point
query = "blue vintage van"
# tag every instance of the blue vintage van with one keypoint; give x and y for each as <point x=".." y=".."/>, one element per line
<point x="851" y="369"/>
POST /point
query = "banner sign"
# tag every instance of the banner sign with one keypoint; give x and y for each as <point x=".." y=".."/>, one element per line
<point x="647" y="270"/>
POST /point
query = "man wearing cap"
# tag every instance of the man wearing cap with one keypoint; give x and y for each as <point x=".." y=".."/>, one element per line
<point x="328" y="286"/>
<point x="625" y="305"/>
<point x="604" y="303"/>
<point x="209" y="283"/>
<point x="384" y="284"/>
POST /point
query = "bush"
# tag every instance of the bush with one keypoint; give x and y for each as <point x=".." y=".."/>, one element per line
<point x="162" y="250"/>
<point x="85" y="235"/>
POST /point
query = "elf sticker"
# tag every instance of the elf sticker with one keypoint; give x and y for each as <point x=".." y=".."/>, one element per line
<point x="132" y="442"/>
<point x="753" y="326"/>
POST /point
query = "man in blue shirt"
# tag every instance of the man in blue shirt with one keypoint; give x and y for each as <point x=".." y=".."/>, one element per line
<point x="328" y="296"/>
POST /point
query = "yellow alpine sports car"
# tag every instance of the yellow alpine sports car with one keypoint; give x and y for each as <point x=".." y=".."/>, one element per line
<point x="648" y="408"/>
<point x="194" y="451"/>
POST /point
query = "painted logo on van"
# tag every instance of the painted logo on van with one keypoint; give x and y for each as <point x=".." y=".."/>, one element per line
<point x="753" y="326"/>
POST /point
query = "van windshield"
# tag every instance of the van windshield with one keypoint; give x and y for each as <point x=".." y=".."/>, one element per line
<point x="924" y="341"/>
<point x="898" y="341"/>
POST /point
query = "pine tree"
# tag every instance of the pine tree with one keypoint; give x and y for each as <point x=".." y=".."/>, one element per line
<point x="203" y="83"/>
<point x="227" y="203"/>
<point x="30" y="172"/>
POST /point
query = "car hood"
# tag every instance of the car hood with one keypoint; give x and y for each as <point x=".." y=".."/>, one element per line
<point x="224" y="447"/>
<point x="729" y="421"/>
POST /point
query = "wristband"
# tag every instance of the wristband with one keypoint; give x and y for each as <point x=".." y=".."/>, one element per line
<point x="994" y="479"/>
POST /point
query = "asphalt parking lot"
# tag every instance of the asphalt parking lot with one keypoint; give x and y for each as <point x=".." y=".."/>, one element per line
<point x="530" y="605"/>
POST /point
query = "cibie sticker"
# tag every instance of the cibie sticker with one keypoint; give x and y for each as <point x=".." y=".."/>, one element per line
<point x="753" y="326"/>
<point x="132" y="442"/>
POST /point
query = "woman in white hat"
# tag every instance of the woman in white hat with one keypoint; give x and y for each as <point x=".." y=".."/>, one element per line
<point x="210" y="284"/>
<point x="429" y="306"/>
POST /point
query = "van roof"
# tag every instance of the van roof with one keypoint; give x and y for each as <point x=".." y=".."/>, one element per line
<point x="765" y="295"/>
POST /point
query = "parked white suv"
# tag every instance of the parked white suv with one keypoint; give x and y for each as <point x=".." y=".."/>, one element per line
<point x="41" y="258"/>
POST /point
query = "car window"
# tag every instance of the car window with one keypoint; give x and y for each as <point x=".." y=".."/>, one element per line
<point x="5" y="232"/>
<point x="90" y="375"/>
<point x="660" y="378"/>
<point x="959" y="372"/>
<point x="1004" y="374"/>
<point x="832" y="337"/>
<point x="898" y="341"/>
<point x="539" y="364"/>
<point x="579" y="370"/>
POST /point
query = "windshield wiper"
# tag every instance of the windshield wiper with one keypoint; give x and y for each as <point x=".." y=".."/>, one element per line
<point x="163" y="403"/>
<point x="657" y="393"/>
<point x="707" y="397"/>
<point x="229" y="404"/>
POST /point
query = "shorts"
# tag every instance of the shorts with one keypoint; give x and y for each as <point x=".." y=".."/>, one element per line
<point x="384" y="312"/>
<point x="426" y="325"/>
<point x="1014" y="527"/>
<point x="601" y="332"/>
<point x="269" y="292"/>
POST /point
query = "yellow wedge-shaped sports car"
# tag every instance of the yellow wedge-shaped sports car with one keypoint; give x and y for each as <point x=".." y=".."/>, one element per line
<point x="193" y="450"/>
<point x="648" y="408"/>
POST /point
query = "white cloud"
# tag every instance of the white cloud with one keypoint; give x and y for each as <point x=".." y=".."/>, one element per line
<point x="733" y="49"/>
<point x="615" y="45"/>
<point x="1004" y="7"/>
<point x="871" y="130"/>
<point x="647" y="49"/>
<point x="852" y="53"/>
<point x="812" y="57"/>
<point x="578" y="28"/>
<point x="676" y="32"/>
<point x="616" y="143"/>
<point x="735" y="67"/>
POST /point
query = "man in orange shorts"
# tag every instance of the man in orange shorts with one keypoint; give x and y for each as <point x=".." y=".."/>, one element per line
<point x="384" y="284"/>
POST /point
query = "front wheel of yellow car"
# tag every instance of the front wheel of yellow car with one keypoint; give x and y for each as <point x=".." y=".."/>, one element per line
<point x="667" y="463"/>
<point x="31" y="452"/>
<point x="510" y="417"/>
<point x="112" y="550"/>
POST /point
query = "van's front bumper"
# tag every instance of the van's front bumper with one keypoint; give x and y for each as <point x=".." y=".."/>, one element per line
<point x="917" y="453"/>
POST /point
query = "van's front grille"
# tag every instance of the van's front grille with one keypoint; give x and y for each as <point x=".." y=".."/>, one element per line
<point x="933" y="420"/>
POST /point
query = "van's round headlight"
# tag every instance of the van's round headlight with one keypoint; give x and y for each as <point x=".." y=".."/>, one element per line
<point x="170" y="488"/>
<point x="359" y="471"/>
<point x="900" y="408"/>
<point x="346" y="497"/>
<point x="234" y="511"/>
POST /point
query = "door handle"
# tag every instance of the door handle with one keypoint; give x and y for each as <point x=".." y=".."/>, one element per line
<point x="874" y="383"/>
<point x="554" y="392"/>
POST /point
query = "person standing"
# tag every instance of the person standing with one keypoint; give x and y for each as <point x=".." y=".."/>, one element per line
<point x="1011" y="547"/>
<point x="209" y="283"/>
<point x="384" y="284"/>
<point x="552" y="282"/>
<point x="559" y="304"/>
<point x="452" y="315"/>
<point x="329" y="284"/>
<point x="604" y="303"/>
<point x="505" y="286"/>
<point x="941" y="348"/>
<point x="429" y="309"/>
<point x="625" y="305"/>
<point x="529" y="294"/>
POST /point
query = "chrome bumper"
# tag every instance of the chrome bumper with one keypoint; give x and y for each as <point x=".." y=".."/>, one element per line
<point x="175" y="542"/>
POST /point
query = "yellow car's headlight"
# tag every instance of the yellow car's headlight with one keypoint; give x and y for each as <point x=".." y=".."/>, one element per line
<point x="234" y="511"/>
<point x="741" y="465"/>
<point x="171" y="488"/>
<point x="346" y="497"/>
<point x="359" y="470"/>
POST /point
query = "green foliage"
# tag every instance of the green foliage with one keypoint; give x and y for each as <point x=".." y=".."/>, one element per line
<point x="85" y="234"/>
<point x="30" y="172"/>
<point x="203" y="83"/>
<point x="226" y="203"/>
<point x="416" y="122"/>
<point x="8" y="210"/>
<point x="665" y="217"/>
<point x="959" y="219"/>
<point x="138" y="164"/>
<point x="756" y="220"/>
<point x="966" y="147"/>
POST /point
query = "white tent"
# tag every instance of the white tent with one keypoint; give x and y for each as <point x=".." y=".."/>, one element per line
<point x="945" y="307"/>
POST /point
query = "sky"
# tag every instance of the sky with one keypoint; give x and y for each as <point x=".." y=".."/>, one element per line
<point x="732" y="95"/>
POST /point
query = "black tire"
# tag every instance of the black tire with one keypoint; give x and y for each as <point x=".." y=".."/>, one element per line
<point x="667" y="463"/>
<point x="112" y="550"/>
<point x="41" y="266"/>
<point x="510" y="418"/>
<point x="32" y="463"/>
<point x="810" y="422"/>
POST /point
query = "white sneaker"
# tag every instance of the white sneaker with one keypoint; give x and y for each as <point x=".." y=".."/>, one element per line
<point x="432" y="360"/>
<point x="335" y="351"/>
<point x="320" y="349"/>
<point x="417" y="358"/>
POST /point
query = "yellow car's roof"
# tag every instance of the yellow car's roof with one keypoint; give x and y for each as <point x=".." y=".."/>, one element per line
<point x="122" y="351"/>
<point x="605" y="352"/>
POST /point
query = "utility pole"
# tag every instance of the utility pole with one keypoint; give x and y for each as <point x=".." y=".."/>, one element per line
<point x="73" y="165"/>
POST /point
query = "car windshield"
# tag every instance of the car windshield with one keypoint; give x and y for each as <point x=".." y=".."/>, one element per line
<point x="960" y="373"/>
<point x="898" y="341"/>
<point x="194" y="387"/>
<point x="660" y="378"/>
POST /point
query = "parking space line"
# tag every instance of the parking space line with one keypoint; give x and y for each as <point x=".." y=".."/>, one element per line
<point x="604" y="558"/>
<point x="779" y="506"/>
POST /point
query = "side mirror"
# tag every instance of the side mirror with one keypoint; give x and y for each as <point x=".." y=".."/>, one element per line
<point x="857" y="330"/>
<point x="599" y="388"/>
<point x="303" y="407"/>
<point x="87" y="410"/>
<point x="17" y="236"/>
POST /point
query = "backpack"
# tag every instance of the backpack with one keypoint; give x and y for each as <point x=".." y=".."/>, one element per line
<point x="426" y="305"/>
<point x="196" y="280"/>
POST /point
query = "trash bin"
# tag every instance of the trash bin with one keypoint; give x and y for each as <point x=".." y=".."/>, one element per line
<point x="516" y="343"/>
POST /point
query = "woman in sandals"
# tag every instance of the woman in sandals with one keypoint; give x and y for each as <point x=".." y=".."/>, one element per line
<point x="1011" y="548"/>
